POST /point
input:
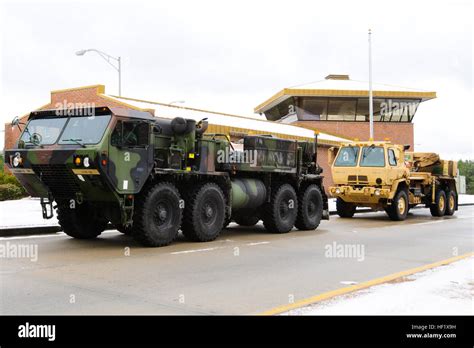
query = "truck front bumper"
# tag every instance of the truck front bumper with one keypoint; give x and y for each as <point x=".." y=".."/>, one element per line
<point x="370" y="195"/>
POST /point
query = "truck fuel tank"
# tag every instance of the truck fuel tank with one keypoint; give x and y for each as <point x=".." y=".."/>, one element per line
<point x="247" y="193"/>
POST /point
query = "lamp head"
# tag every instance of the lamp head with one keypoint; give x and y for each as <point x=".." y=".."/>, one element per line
<point x="81" y="52"/>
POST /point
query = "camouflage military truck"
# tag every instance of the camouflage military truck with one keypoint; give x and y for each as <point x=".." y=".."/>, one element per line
<point x="150" y="177"/>
<point x="382" y="175"/>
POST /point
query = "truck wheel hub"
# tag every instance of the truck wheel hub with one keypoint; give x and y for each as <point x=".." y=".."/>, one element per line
<point x="401" y="206"/>
<point x="162" y="214"/>
<point x="441" y="203"/>
<point x="451" y="202"/>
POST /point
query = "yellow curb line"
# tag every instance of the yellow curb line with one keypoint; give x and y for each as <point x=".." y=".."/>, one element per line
<point x="364" y="285"/>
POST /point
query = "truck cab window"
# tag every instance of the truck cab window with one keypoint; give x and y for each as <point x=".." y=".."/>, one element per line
<point x="130" y="134"/>
<point x="347" y="156"/>
<point x="392" y="159"/>
<point x="372" y="156"/>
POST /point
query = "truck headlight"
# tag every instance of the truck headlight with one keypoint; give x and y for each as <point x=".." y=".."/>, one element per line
<point x="337" y="190"/>
<point x="377" y="192"/>
<point x="17" y="160"/>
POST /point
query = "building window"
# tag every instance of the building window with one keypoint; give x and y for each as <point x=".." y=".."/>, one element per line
<point x="281" y="110"/>
<point x="342" y="109"/>
<point x="312" y="109"/>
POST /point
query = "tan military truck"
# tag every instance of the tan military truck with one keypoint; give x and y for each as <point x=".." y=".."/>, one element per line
<point x="382" y="175"/>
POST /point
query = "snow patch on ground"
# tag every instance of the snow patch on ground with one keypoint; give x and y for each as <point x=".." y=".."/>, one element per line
<point x="24" y="212"/>
<point x="445" y="290"/>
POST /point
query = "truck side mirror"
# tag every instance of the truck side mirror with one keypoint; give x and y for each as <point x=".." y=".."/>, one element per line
<point x="16" y="121"/>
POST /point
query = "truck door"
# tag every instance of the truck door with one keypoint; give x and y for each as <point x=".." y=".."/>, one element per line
<point x="394" y="161"/>
<point x="130" y="155"/>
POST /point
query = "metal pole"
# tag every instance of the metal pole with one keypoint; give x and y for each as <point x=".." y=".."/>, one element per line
<point x="120" y="76"/>
<point x="371" y="106"/>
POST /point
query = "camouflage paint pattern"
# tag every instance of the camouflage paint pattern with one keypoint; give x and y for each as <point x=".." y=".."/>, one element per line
<point x="135" y="147"/>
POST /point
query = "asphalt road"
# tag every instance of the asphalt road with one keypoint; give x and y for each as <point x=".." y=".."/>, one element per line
<point x="245" y="271"/>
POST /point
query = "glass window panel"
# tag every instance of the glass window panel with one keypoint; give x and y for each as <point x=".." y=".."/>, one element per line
<point x="43" y="130"/>
<point x="372" y="156"/>
<point x="392" y="160"/>
<point x="347" y="156"/>
<point x="313" y="108"/>
<point x="86" y="130"/>
<point x="342" y="109"/>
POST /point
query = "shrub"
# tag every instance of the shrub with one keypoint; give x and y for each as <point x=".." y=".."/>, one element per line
<point x="10" y="188"/>
<point x="11" y="191"/>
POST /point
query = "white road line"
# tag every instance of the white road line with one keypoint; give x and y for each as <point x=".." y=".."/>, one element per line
<point x="194" y="251"/>
<point x="214" y="248"/>
<point x="257" y="243"/>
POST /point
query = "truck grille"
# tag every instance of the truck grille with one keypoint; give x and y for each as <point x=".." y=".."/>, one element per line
<point x="357" y="180"/>
<point x="58" y="178"/>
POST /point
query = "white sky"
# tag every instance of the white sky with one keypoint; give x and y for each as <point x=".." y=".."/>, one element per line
<point x="231" y="56"/>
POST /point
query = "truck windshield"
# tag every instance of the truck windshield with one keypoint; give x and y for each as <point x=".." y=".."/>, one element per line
<point x="85" y="130"/>
<point x="347" y="156"/>
<point x="43" y="131"/>
<point x="77" y="130"/>
<point x="372" y="156"/>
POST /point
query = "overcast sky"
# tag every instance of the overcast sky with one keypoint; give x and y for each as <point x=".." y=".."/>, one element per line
<point x="231" y="55"/>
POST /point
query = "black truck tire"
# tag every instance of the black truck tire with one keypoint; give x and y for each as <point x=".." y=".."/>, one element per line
<point x="345" y="209"/>
<point x="246" y="218"/>
<point x="398" y="211"/>
<point x="79" y="222"/>
<point x="157" y="215"/>
<point x="450" y="203"/>
<point x="310" y="208"/>
<point x="204" y="213"/>
<point x="439" y="206"/>
<point x="279" y="215"/>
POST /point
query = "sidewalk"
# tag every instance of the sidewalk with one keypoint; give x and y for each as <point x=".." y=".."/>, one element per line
<point x="446" y="290"/>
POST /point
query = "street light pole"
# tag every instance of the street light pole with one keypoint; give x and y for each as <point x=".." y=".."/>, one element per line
<point x="120" y="76"/>
<point x="371" y="101"/>
<point x="107" y="58"/>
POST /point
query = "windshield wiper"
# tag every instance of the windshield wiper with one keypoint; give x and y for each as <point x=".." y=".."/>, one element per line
<point x="77" y="141"/>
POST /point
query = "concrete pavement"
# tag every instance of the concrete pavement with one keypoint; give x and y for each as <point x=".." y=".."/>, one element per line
<point x="245" y="271"/>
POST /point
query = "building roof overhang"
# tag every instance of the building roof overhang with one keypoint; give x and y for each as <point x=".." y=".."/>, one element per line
<point x="344" y="88"/>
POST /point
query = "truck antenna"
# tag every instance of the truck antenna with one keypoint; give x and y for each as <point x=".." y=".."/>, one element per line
<point x="371" y="106"/>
